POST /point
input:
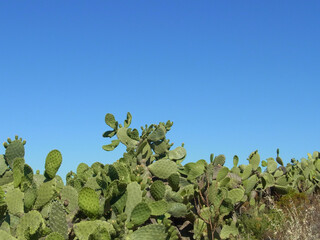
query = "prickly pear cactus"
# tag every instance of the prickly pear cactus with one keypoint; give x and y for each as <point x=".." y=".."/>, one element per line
<point x="146" y="194"/>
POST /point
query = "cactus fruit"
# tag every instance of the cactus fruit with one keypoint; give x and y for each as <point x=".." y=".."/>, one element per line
<point x="53" y="163"/>
<point x="88" y="202"/>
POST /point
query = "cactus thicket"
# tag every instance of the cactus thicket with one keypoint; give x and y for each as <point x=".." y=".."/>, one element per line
<point x="146" y="194"/>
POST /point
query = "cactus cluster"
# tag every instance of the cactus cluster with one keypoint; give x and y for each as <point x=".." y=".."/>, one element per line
<point x="146" y="194"/>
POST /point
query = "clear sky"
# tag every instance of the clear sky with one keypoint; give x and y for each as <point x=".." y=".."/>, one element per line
<point x="233" y="76"/>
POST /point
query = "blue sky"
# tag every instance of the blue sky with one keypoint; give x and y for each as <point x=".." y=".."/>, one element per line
<point x="233" y="76"/>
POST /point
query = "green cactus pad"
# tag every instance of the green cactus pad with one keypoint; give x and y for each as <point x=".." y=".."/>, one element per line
<point x="160" y="147"/>
<point x="149" y="232"/>
<point x="30" y="196"/>
<point x="163" y="168"/>
<point x="84" y="229"/>
<point x="194" y="170"/>
<point x="177" y="153"/>
<point x="177" y="209"/>
<point x="250" y="183"/>
<point x="82" y="168"/>
<point x="57" y="219"/>
<point x="199" y="228"/>
<point x="140" y="213"/>
<point x="158" y="134"/>
<point x="134" y="196"/>
<point x="158" y="207"/>
<point x="88" y="202"/>
<point x="53" y="163"/>
<point x="222" y="173"/>
<point x="157" y="190"/>
<point x="6" y="236"/>
<point x="31" y="224"/>
<point x="219" y="160"/>
<point x="14" y="149"/>
<point x="254" y="159"/>
<point x="3" y="205"/>
<point x="69" y="197"/>
<point x="227" y="230"/>
<point x="3" y="165"/>
<point x="14" y="200"/>
<point x="111" y="121"/>
<point x="174" y="181"/>
<point x="124" y="138"/>
<point x="112" y="145"/>
<point x="18" y="167"/>
<point x="271" y="165"/>
<point x="247" y="172"/>
<point x="236" y="195"/>
<point x="55" y="236"/>
<point x="123" y="172"/>
<point x="46" y="192"/>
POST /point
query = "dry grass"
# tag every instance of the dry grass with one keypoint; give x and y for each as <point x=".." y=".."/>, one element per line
<point x="294" y="217"/>
<point x="301" y="219"/>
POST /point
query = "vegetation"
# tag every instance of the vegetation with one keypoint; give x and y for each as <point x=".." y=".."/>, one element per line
<point x="149" y="194"/>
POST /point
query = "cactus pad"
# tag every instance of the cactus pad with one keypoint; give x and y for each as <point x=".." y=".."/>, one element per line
<point x="149" y="232"/>
<point x="88" y="202"/>
<point x="55" y="236"/>
<point x="3" y="165"/>
<point x="57" y="219"/>
<point x="133" y="198"/>
<point x="14" y="149"/>
<point x="31" y="224"/>
<point x="163" y="168"/>
<point x="14" y="200"/>
<point x="45" y="192"/>
<point x="140" y="213"/>
<point x="158" y="207"/>
<point x="53" y="163"/>
<point x="84" y="229"/>
<point x="157" y="190"/>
